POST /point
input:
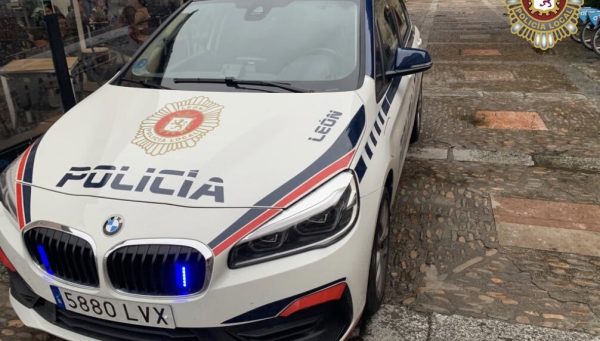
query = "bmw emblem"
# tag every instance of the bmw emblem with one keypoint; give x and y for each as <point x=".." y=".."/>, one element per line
<point x="113" y="225"/>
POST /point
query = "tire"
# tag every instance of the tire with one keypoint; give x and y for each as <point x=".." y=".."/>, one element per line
<point x="577" y="37"/>
<point x="380" y="254"/>
<point x="596" y="42"/>
<point x="416" y="130"/>
<point x="586" y="36"/>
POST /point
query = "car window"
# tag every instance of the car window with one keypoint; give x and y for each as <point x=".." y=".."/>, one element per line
<point x="402" y="22"/>
<point x="314" y="45"/>
<point x="388" y="34"/>
<point x="401" y="19"/>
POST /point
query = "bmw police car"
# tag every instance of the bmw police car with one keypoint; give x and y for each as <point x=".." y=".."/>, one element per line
<point x="232" y="182"/>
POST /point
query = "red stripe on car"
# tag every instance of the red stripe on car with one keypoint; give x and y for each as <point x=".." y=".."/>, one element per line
<point x="6" y="262"/>
<point x="333" y="293"/>
<point x="19" y="189"/>
<point x="309" y="184"/>
<point x="340" y="164"/>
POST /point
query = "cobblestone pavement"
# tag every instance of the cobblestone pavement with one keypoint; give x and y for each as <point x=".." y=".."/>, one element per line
<point x="463" y="268"/>
<point x="448" y="258"/>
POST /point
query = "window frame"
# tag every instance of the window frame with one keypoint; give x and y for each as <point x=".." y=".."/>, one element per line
<point x="381" y="81"/>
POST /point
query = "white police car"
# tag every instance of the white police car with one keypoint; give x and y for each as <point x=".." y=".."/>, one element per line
<point x="233" y="182"/>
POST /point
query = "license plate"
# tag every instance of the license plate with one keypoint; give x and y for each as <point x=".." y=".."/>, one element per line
<point x="151" y="315"/>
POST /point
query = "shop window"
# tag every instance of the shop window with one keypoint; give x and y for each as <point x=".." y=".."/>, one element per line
<point x="99" y="36"/>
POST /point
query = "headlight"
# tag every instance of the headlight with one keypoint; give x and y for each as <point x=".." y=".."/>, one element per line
<point x="318" y="220"/>
<point x="8" y="187"/>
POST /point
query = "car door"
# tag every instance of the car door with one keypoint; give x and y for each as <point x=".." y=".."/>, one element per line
<point x="394" y="93"/>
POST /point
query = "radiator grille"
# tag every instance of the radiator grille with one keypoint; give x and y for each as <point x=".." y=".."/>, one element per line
<point x="157" y="270"/>
<point x="63" y="255"/>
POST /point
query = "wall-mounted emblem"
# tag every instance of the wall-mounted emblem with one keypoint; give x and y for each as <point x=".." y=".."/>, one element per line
<point x="112" y="225"/>
<point x="544" y="22"/>
<point x="178" y="125"/>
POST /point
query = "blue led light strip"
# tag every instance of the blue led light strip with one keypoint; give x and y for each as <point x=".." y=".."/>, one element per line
<point x="44" y="259"/>
<point x="183" y="277"/>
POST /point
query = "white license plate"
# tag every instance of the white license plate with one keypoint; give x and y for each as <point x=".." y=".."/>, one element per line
<point x="151" y="315"/>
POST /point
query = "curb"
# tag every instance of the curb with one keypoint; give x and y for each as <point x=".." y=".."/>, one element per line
<point x="581" y="164"/>
<point x="550" y="97"/>
<point x="395" y="322"/>
<point x="586" y="164"/>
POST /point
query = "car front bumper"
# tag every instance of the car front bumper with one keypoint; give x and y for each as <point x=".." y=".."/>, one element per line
<point x="328" y="321"/>
<point x="223" y="308"/>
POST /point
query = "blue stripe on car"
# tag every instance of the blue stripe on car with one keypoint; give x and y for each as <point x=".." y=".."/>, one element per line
<point x="344" y="144"/>
<point x="361" y="169"/>
<point x="392" y="89"/>
<point x="369" y="151"/>
<point x="385" y="106"/>
<point x="361" y="166"/>
<point x="377" y="128"/>
<point x="388" y="98"/>
<point x="373" y="139"/>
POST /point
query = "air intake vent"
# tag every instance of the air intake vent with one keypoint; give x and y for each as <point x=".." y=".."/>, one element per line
<point x="63" y="255"/>
<point x="157" y="269"/>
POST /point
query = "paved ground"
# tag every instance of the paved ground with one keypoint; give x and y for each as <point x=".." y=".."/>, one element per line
<point x="498" y="216"/>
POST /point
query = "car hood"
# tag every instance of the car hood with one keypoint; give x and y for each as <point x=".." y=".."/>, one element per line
<point x="243" y="150"/>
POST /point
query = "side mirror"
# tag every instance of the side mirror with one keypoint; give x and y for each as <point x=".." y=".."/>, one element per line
<point x="410" y="61"/>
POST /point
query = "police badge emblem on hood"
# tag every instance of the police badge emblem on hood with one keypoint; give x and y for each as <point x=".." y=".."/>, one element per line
<point x="196" y="149"/>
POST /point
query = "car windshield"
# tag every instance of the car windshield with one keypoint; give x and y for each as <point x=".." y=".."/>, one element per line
<point x="222" y="45"/>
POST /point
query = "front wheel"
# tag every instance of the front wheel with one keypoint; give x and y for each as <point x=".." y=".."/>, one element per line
<point x="586" y="36"/>
<point x="577" y="37"/>
<point x="380" y="255"/>
<point x="596" y="42"/>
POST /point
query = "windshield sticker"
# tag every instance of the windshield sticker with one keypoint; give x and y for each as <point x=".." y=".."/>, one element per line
<point x="178" y="125"/>
<point x="139" y="67"/>
<point x="325" y="126"/>
<point x="168" y="182"/>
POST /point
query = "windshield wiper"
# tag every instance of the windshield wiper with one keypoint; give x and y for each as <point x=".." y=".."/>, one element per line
<point x="232" y="82"/>
<point x="144" y="83"/>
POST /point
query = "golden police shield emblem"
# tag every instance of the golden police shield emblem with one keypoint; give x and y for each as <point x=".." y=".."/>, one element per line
<point x="544" y="22"/>
<point x="178" y="125"/>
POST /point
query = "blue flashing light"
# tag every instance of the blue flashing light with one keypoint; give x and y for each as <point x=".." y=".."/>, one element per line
<point x="182" y="278"/>
<point x="44" y="259"/>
